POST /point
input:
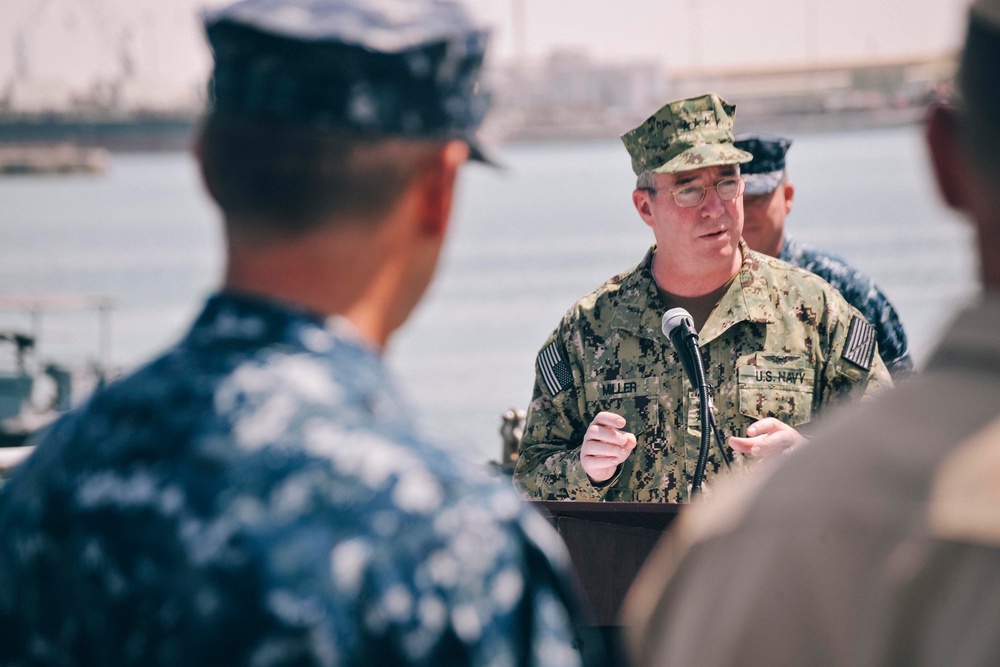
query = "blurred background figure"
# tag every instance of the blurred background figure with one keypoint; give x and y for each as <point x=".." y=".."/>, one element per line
<point x="767" y="201"/>
<point x="259" y="494"/>
<point x="878" y="543"/>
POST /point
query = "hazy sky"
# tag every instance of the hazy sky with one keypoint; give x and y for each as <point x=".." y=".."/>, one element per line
<point x="54" y="48"/>
<point x="730" y="33"/>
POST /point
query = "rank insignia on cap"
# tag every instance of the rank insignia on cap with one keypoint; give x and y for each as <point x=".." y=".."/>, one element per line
<point x="860" y="346"/>
<point x="554" y="369"/>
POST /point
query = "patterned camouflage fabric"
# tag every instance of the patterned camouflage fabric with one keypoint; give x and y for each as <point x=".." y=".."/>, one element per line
<point x="382" y="68"/>
<point x="773" y="347"/>
<point x="862" y="293"/>
<point x="685" y="134"/>
<point x="258" y="496"/>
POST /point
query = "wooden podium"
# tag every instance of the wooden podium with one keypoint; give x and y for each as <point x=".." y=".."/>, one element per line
<point x="608" y="542"/>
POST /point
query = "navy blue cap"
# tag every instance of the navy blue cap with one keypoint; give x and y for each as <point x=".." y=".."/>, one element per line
<point x="764" y="173"/>
<point x="378" y="68"/>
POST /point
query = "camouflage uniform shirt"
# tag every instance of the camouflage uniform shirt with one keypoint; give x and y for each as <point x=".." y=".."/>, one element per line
<point x="862" y="293"/>
<point x="774" y="346"/>
<point x="257" y="496"/>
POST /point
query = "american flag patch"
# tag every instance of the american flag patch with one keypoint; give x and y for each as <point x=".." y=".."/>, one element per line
<point x="860" y="346"/>
<point x="554" y="369"/>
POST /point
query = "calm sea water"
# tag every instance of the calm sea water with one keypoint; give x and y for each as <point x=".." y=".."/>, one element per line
<point x="527" y="242"/>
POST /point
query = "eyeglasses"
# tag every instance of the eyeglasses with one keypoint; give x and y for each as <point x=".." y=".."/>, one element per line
<point x="692" y="195"/>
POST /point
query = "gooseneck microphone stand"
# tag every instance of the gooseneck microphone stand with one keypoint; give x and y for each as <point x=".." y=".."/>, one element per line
<point x="678" y="327"/>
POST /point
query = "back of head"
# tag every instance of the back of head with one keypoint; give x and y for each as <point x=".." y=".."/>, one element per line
<point x="978" y="86"/>
<point x="324" y="110"/>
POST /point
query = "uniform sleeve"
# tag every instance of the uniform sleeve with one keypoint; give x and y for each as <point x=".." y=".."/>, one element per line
<point x="892" y="344"/>
<point x="490" y="590"/>
<point x="548" y="464"/>
<point x="555" y="603"/>
<point x="861" y="292"/>
<point x="854" y="368"/>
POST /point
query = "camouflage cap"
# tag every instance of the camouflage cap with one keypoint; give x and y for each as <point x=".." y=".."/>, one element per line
<point x="405" y="68"/>
<point x="764" y="173"/>
<point x="684" y="135"/>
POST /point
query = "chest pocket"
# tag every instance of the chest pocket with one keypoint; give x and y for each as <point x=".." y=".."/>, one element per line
<point x="635" y="399"/>
<point x="776" y="386"/>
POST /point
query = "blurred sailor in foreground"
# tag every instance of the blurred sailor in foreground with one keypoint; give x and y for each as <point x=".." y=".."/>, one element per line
<point x="258" y="495"/>
<point x="613" y="416"/>
<point x="767" y="201"/>
<point x="879" y="542"/>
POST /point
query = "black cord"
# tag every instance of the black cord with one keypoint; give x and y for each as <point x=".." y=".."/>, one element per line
<point x="723" y="450"/>
<point x="706" y="433"/>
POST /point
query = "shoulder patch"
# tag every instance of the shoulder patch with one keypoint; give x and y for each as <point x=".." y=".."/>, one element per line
<point x="859" y="349"/>
<point x="554" y="368"/>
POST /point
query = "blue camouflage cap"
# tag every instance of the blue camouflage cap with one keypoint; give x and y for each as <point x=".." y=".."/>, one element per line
<point x="379" y="68"/>
<point x="764" y="173"/>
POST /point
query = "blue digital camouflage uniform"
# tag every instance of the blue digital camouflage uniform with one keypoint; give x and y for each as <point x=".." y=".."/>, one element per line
<point x="862" y="293"/>
<point x="258" y="496"/>
<point x="781" y="343"/>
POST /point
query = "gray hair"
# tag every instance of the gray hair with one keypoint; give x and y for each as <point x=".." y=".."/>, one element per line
<point x="646" y="181"/>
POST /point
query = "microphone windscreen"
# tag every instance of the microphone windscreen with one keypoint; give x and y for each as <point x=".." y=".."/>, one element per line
<point x="674" y="318"/>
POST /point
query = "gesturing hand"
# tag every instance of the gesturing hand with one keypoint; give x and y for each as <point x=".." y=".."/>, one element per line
<point x="605" y="446"/>
<point x="767" y="437"/>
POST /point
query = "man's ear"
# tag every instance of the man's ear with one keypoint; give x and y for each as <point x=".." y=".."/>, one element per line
<point x="437" y="186"/>
<point x="643" y="202"/>
<point x="789" y="196"/>
<point x="947" y="159"/>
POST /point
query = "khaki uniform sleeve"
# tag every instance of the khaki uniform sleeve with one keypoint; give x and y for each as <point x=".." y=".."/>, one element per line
<point x="548" y="464"/>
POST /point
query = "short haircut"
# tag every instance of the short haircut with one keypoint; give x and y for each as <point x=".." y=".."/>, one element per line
<point x="277" y="180"/>
<point x="645" y="181"/>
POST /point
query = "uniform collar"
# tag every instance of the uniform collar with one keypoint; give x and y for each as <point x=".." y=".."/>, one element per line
<point x="747" y="299"/>
<point x="639" y="301"/>
<point x="237" y="317"/>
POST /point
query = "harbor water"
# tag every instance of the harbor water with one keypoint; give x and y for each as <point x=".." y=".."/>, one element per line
<point x="527" y="241"/>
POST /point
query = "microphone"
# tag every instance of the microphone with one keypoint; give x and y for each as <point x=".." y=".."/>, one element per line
<point x="678" y="327"/>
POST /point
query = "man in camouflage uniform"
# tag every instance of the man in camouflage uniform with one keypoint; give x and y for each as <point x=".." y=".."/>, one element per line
<point x="767" y="201"/>
<point x="259" y="495"/>
<point x="879" y="542"/>
<point x="613" y="416"/>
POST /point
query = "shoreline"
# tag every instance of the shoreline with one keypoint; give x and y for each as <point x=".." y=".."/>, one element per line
<point x="175" y="132"/>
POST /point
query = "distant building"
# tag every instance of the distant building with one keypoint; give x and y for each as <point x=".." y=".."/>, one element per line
<point x="881" y="87"/>
<point x="569" y="96"/>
